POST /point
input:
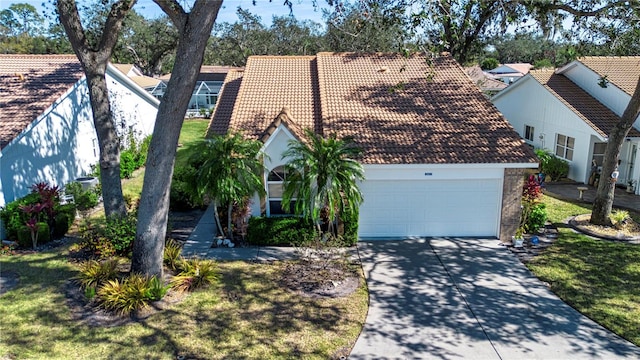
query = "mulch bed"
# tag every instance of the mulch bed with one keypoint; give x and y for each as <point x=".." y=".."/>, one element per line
<point x="630" y="233"/>
<point x="546" y="237"/>
<point x="319" y="279"/>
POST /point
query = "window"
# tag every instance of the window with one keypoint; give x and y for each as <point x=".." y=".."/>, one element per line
<point x="598" y="152"/>
<point x="528" y="132"/>
<point x="275" y="188"/>
<point x="564" y="146"/>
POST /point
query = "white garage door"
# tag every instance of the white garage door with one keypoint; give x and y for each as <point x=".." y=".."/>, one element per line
<point x="429" y="208"/>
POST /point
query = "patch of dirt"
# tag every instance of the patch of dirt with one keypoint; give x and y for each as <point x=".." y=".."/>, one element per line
<point x="318" y="279"/>
<point x="630" y="231"/>
<point x="8" y="280"/>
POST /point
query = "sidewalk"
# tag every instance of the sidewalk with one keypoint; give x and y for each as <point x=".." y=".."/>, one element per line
<point x="199" y="245"/>
<point x="570" y="191"/>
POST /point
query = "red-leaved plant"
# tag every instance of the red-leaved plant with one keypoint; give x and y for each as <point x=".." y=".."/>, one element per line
<point x="34" y="212"/>
<point x="531" y="195"/>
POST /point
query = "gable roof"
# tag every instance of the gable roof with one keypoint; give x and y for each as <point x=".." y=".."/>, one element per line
<point x="387" y="103"/>
<point x="621" y="71"/>
<point x="599" y="117"/>
<point x="485" y="81"/>
<point x="28" y="85"/>
<point x="511" y="69"/>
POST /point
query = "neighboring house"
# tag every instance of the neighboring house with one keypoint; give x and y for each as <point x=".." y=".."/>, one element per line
<point x="439" y="159"/>
<point x="46" y="123"/>
<point x="509" y="73"/>
<point x="205" y="93"/>
<point x="487" y="83"/>
<point x="153" y="85"/>
<point x="572" y="110"/>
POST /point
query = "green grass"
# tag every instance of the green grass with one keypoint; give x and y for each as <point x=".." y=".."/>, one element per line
<point x="247" y="316"/>
<point x="601" y="279"/>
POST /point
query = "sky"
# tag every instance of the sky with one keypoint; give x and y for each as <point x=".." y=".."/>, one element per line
<point x="302" y="9"/>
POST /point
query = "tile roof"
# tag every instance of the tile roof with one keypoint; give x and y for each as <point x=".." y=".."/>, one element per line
<point x="225" y="104"/>
<point x="28" y="85"/>
<point x="210" y="73"/>
<point x="622" y="71"/>
<point x="485" y="81"/>
<point x="593" y="112"/>
<point x="386" y="102"/>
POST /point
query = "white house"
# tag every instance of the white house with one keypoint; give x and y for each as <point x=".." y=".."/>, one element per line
<point x="509" y="73"/>
<point x="46" y="123"/>
<point x="571" y="111"/>
<point x="439" y="159"/>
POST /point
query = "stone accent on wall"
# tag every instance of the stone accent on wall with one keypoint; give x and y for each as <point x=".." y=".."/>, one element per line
<point x="511" y="201"/>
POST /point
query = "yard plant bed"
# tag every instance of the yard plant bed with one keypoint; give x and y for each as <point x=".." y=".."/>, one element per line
<point x="630" y="232"/>
<point x="248" y="315"/>
<point x="599" y="278"/>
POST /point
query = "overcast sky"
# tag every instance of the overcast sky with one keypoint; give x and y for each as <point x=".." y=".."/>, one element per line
<point x="302" y="9"/>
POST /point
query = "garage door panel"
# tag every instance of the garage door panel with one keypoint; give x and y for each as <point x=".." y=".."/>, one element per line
<point x="430" y="208"/>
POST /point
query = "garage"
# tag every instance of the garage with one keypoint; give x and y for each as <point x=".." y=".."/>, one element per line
<point x="452" y="207"/>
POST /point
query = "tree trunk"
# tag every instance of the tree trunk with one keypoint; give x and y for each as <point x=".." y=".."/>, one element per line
<point x="108" y="142"/>
<point x="216" y="216"/>
<point x="229" y="211"/>
<point x="603" y="202"/>
<point x="194" y="29"/>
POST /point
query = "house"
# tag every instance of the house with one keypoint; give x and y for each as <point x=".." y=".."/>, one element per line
<point x="487" y="83"/>
<point x="205" y="93"/>
<point x="572" y="110"/>
<point x="509" y="73"/>
<point x="439" y="159"/>
<point x="153" y="85"/>
<point x="46" y="123"/>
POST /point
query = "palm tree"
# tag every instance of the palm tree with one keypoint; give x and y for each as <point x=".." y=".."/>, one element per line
<point x="231" y="171"/>
<point x="322" y="178"/>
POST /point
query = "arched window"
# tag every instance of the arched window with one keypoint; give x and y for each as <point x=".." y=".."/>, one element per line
<point x="275" y="188"/>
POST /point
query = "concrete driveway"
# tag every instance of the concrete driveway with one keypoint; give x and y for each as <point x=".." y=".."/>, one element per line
<point x="469" y="299"/>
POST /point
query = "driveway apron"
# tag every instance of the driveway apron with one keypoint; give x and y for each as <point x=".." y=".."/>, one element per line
<point x="469" y="299"/>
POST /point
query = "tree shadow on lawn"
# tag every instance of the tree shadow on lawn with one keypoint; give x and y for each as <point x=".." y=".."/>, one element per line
<point x="248" y="313"/>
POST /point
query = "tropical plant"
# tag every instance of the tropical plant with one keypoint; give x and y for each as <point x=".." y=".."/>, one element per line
<point x="195" y="274"/>
<point x="125" y="296"/>
<point x="172" y="251"/>
<point x="531" y="196"/>
<point x="553" y="166"/>
<point x="323" y="179"/>
<point x="618" y="218"/>
<point x="94" y="273"/>
<point x="232" y="170"/>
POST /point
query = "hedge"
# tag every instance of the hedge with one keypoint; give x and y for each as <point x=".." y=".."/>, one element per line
<point x="280" y="231"/>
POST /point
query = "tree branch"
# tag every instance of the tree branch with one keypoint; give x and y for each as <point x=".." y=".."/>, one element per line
<point x="112" y="27"/>
<point x="583" y="13"/>
<point x="174" y="11"/>
<point x="70" y="19"/>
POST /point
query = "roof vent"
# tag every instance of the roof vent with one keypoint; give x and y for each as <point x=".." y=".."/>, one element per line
<point x="383" y="69"/>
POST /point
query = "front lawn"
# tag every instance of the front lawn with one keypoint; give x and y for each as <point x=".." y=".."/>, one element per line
<point x="247" y="316"/>
<point x="601" y="279"/>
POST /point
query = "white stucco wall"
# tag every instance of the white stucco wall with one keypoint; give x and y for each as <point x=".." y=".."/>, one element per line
<point x="61" y="144"/>
<point x="529" y="103"/>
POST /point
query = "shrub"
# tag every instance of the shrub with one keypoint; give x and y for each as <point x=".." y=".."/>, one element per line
<point x="183" y="194"/>
<point x="280" y="231"/>
<point x="24" y="235"/>
<point x="195" y="274"/>
<point x="94" y="242"/>
<point x="84" y="199"/>
<point x="130" y="294"/>
<point x="127" y="164"/>
<point x="537" y="217"/>
<point x="171" y="258"/>
<point x="618" y="218"/>
<point x="94" y="273"/>
<point x="157" y="289"/>
<point x="350" y="235"/>
<point x="553" y="166"/>
<point x="13" y="217"/>
<point x="66" y="215"/>
<point x="121" y="231"/>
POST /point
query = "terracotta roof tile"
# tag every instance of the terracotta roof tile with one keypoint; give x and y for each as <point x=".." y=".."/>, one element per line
<point x="593" y="112"/>
<point x="221" y="117"/>
<point x="398" y="116"/>
<point x="384" y="101"/>
<point x="28" y="85"/>
<point x="622" y="71"/>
